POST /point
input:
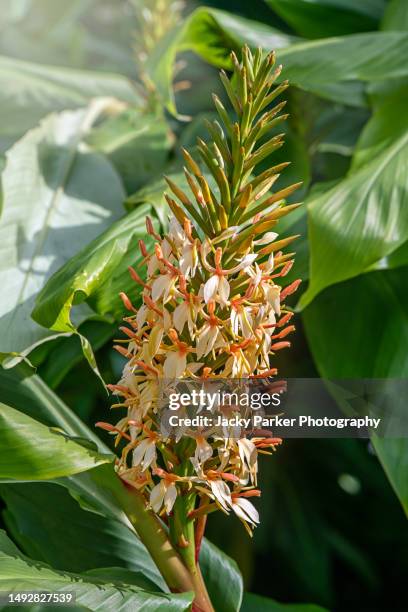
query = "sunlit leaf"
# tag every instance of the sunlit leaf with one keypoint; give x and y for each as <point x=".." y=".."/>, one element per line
<point x="49" y="525"/>
<point x="31" y="451"/>
<point x="136" y="143"/>
<point x="92" y="274"/>
<point x="29" y="91"/>
<point x="57" y="197"/>
<point x="353" y="225"/>
<point x="335" y="68"/>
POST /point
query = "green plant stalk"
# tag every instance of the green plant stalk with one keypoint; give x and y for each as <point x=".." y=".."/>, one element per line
<point x="153" y="535"/>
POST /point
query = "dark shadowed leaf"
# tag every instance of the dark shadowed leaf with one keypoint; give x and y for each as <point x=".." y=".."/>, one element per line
<point x="322" y="18"/>
<point x="376" y="349"/>
<point x="222" y="577"/>
<point x="256" y="603"/>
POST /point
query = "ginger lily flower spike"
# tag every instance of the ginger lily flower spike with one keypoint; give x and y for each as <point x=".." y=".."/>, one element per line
<point x="213" y="306"/>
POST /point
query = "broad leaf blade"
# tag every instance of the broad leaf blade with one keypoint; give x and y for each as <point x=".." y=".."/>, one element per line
<point x="57" y="197"/>
<point x="29" y="91"/>
<point x="137" y="143"/>
<point x="373" y="350"/>
<point x="322" y="18"/>
<point x="93" y="274"/>
<point x="335" y="68"/>
<point x="30" y="451"/>
<point x="20" y="574"/>
<point x="27" y="392"/>
<point x="222" y="578"/>
<point x="353" y="225"/>
<point x="49" y="525"/>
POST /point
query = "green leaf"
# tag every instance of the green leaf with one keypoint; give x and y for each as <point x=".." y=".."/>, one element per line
<point x="211" y="34"/>
<point x="50" y="526"/>
<point x="27" y="392"/>
<point x="136" y="143"/>
<point x="57" y="197"/>
<point x="334" y="68"/>
<point x="395" y="16"/>
<point x="222" y="578"/>
<point x="19" y="573"/>
<point x="388" y="122"/>
<point x="256" y="603"/>
<point x="97" y="273"/>
<point x="376" y="349"/>
<point x="30" y="451"/>
<point x="322" y="18"/>
<point x="393" y="455"/>
<point x="29" y="91"/>
<point x="67" y="352"/>
<point x="97" y="489"/>
<point x="361" y="353"/>
<point x="360" y="221"/>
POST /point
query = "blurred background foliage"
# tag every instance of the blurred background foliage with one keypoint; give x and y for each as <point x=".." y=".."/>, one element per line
<point x="96" y="97"/>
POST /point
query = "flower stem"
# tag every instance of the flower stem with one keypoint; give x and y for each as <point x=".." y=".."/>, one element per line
<point x="178" y="577"/>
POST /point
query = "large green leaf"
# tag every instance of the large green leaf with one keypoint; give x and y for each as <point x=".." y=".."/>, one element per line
<point x="97" y="273"/>
<point x="359" y="329"/>
<point x="29" y="91"/>
<point x="335" y="68"/>
<point x="20" y="388"/>
<point x="97" y="489"/>
<point x="57" y="197"/>
<point x="256" y="603"/>
<point x="396" y="16"/>
<point x="31" y="451"/>
<point x="388" y="122"/>
<point x="212" y="34"/>
<point x="19" y="573"/>
<point x="137" y="143"/>
<point x="360" y="221"/>
<point x="222" y="577"/>
<point x="50" y="526"/>
<point x="322" y="18"/>
<point x="393" y="454"/>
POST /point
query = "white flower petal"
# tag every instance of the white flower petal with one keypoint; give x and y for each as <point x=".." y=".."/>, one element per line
<point x="139" y="452"/>
<point x="160" y="286"/>
<point x="170" y="497"/>
<point x="210" y="288"/>
<point x="150" y="455"/>
<point x="221" y="493"/>
<point x="180" y="316"/>
<point x="223" y="290"/>
<point x="267" y="238"/>
<point x="156" y="496"/>
<point x="248" y="511"/>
